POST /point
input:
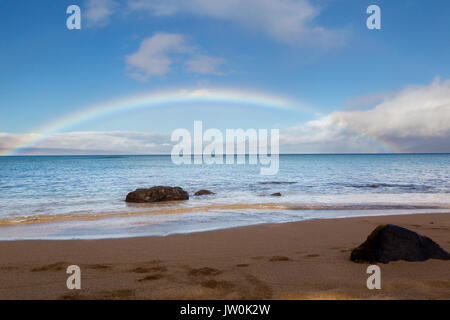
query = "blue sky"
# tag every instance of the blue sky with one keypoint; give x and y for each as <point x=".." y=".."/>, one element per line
<point x="319" y="53"/>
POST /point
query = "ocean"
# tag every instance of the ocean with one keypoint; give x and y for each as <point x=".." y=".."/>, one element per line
<point x="82" y="197"/>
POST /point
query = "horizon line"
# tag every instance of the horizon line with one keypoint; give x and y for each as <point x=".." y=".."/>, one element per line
<point x="225" y="154"/>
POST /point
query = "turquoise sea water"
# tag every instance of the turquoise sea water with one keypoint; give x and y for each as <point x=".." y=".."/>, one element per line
<point x="70" y="197"/>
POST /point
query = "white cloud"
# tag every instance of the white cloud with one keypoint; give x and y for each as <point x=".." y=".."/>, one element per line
<point x="367" y="101"/>
<point x="157" y="54"/>
<point x="94" y="142"/>
<point x="153" y="57"/>
<point x="414" y="112"/>
<point x="415" y="119"/>
<point x="289" y="21"/>
<point x="99" y="12"/>
<point x="9" y="140"/>
<point x="204" y="64"/>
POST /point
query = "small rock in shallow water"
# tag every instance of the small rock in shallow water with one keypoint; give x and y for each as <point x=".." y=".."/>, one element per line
<point x="203" y="193"/>
<point x="156" y="194"/>
<point x="277" y="182"/>
<point x="391" y="243"/>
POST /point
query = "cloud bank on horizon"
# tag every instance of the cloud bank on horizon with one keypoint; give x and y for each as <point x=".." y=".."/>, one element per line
<point x="415" y="119"/>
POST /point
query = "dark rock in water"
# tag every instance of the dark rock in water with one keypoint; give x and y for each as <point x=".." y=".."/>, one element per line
<point x="156" y="194"/>
<point x="390" y="243"/>
<point x="276" y="194"/>
<point x="373" y="186"/>
<point x="203" y="192"/>
<point x="277" y="182"/>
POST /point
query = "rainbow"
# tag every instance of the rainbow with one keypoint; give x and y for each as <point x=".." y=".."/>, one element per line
<point x="384" y="146"/>
<point x="149" y="100"/>
<point x="160" y="99"/>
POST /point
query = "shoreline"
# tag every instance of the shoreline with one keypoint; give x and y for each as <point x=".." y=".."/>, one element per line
<point x="40" y="223"/>
<point x="292" y="260"/>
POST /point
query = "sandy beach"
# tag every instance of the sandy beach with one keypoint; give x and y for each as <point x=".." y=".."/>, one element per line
<point x="298" y="260"/>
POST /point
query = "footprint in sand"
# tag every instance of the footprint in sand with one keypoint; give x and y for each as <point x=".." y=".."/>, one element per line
<point x="152" y="277"/>
<point x="98" y="266"/>
<point x="206" y="271"/>
<point x="156" y="271"/>
<point x="217" y="284"/>
<point x="58" y="266"/>
<point x="258" y="258"/>
<point x="242" y="265"/>
<point x="149" y="269"/>
<point x="261" y="290"/>
<point x="108" y="295"/>
<point x="9" y="268"/>
<point x="118" y="294"/>
<point x="279" y="258"/>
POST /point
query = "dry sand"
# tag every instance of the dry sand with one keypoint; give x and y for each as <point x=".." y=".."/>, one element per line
<point x="299" y="260"/>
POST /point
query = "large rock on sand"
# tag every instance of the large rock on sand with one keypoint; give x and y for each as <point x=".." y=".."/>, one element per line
<point x="156" y="194"/>
<point x="390" y="243"/>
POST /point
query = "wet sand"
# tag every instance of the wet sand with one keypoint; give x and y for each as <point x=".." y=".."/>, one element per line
<point x="298" y="260"/>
